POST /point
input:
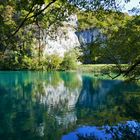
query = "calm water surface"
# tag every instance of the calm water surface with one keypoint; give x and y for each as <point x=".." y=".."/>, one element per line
<point x="59" y="105"/>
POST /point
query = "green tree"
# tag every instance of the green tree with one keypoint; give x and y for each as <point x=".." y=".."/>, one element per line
<point x="70" y="60"/>
<point x="53" y="62"/>
<point x="124" y="47"/>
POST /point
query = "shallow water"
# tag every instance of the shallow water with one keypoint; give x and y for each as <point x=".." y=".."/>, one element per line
<point x="53" y="105"/>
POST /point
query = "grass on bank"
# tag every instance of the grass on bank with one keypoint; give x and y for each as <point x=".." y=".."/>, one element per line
<point x="101" y="68"/>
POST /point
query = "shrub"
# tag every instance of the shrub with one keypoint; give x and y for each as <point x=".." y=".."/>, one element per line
<point x="10" y="61"/>
<point x="53" y="62"/>
<point x="70" y="60"/>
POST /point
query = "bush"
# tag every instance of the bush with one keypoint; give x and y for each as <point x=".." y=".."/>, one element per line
<point x="70" y="60"/>
<point x="53" y="62"/>
<point x="10" y="61"/>
<point x="15" y="61"/>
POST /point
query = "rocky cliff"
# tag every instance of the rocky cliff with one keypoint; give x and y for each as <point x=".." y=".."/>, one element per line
<point x="68" y="37"/>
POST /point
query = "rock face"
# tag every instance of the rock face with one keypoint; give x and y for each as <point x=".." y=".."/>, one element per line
<point x="64" y="39"/>
<point x="67" y="37"/>
<point x="63" y="99"/>
<point x="88" y="36"/>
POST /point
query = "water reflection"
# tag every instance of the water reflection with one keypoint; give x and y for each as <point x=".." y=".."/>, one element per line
<point x="94" y="91"/>
<point x="46" y="105"/>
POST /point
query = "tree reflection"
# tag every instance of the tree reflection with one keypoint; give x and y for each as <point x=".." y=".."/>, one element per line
<point x="45" y="105"/>
<point x="110" y="103"/>
<point x="27" y="109"/>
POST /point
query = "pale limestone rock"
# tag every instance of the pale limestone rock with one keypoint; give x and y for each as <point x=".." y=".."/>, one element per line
<point x="67" y="37"/>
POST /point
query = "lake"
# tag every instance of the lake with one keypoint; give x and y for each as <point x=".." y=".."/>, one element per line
<point x="64" y="105"/>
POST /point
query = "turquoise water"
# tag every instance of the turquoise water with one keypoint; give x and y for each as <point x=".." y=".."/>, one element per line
<point x="53" y="105"/>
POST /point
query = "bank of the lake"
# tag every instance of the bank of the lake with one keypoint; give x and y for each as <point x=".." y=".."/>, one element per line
<point x="106" y="71"/>
<point x="104" y="68"/>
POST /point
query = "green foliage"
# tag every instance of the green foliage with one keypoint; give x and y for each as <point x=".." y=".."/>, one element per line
<point x="93" y="54"/>
<point x="108" y="22"/>
<point x="121" y="43"/>
<point x="53" y="62"/>
<point x="19" y="21"/>
<point x="70" y="60"/>
<point x="13" y="61"/>
<point x="104" y="20"/>
<point x="124" y="43"/>
<point x="99" y="69"/>
<point x="10" y="60"/>
<point x="83" y="22"/>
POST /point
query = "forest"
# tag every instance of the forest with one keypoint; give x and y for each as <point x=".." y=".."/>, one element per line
<point x="69" y="70"/>
<point x="22" y="22"/>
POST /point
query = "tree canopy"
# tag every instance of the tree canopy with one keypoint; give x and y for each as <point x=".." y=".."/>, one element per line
<point x="21" y="23"/>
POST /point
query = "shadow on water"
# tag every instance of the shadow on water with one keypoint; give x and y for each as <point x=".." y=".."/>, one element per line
<point x="50" y="105"/>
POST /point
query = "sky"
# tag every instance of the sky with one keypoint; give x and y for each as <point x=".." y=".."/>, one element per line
<point x="122" y="6"/>
<point x="131" y="4"/>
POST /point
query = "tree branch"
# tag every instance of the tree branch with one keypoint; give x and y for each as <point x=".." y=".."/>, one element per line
<point x="38" y="13"/>
<point x="35" y="15"/>
<point x="131" y="68"/>
<point x="24" y="20"/>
